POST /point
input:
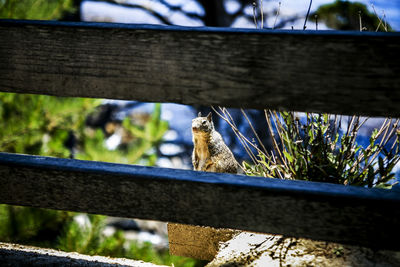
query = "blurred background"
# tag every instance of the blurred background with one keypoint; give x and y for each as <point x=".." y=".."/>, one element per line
<point x="142" y="133"/>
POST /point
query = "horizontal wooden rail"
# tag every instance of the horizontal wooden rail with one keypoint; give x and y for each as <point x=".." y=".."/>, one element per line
<point x="368" y="217"/>
<point x="320" y="71"/>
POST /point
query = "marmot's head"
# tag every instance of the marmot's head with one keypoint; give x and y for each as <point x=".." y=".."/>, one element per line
<point x="202" y="124"/>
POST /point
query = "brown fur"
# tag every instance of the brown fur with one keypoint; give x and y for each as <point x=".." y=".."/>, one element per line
<point x="210" y="152"/>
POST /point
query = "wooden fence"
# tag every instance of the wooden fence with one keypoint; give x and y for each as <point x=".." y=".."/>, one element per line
<point x="324" y="71"/>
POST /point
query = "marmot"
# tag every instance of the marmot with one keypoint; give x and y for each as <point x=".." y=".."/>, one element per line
<point x="210" y="152"/>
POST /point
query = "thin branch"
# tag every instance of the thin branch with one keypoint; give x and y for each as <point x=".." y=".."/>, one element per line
<point x="397" y="135"/>
<point x="383" y="127"/>
<point x="380" y="19"/>
<point x="275" y="144"/>
<point x="226" y="112"/>
<point x="163" y="19"/>
<point x="253" y="18"/>
<point x="254" y="131"/>
<point x="334" y="131"/>
<point x="262" y="14"/>
<point x="179" y="9"/>
<point x="362" y="123"/>
<point x="254" y="14"/>
<point x="245" y="142"/>
<point x="380" y="131"/>
<point x="384" y="18"/>
<point x="386" y="137"/>
<point x="278" y="125"/>
<point x="391" y="133"/>
<point x="277" y="14"/>
<point x="237" y="133"/>
<point x="308" y="13"/>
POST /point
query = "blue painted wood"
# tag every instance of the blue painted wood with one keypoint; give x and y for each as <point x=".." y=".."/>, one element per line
<point x="368" y="217"/>
<point x="143" y="172"/>
<point x="173" y="28"/>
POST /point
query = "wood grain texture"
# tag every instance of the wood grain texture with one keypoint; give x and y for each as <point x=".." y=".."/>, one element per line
<point x="344" y="214"/>
<point x="324" y="71"/>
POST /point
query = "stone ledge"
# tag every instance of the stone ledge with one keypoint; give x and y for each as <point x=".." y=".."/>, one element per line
<point x="198" y="242"/>
<point x="20" y="255"/>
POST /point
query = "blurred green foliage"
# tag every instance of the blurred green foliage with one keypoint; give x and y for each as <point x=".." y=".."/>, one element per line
<point x="35" y="9"/>
<point x="345" y="15"/>
<point x="60" y="230"/>
<point x="41" y="125"/>
<point x="140" y="150"/>
<point x="89" y="239"/>
<point x="31" y="226"/>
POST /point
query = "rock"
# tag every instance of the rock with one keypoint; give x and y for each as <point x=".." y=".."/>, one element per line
<point x="251" y="249"/>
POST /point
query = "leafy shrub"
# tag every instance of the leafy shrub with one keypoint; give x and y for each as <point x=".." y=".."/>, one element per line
<point x="317" y="149"/>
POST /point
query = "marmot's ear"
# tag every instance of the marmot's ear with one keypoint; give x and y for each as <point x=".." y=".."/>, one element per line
<point x="199" y="114"/>
<point x="209" y="117"/>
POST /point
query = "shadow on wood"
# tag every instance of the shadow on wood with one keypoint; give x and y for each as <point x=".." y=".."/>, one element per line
<point x="320" y="211"/>
<point x="319" y="71"/>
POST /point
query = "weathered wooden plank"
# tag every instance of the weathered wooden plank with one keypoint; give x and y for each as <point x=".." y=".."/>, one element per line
<point x="19" y="255"/>
<point x="323" y="71"/>
<point x="344" y="214"/>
